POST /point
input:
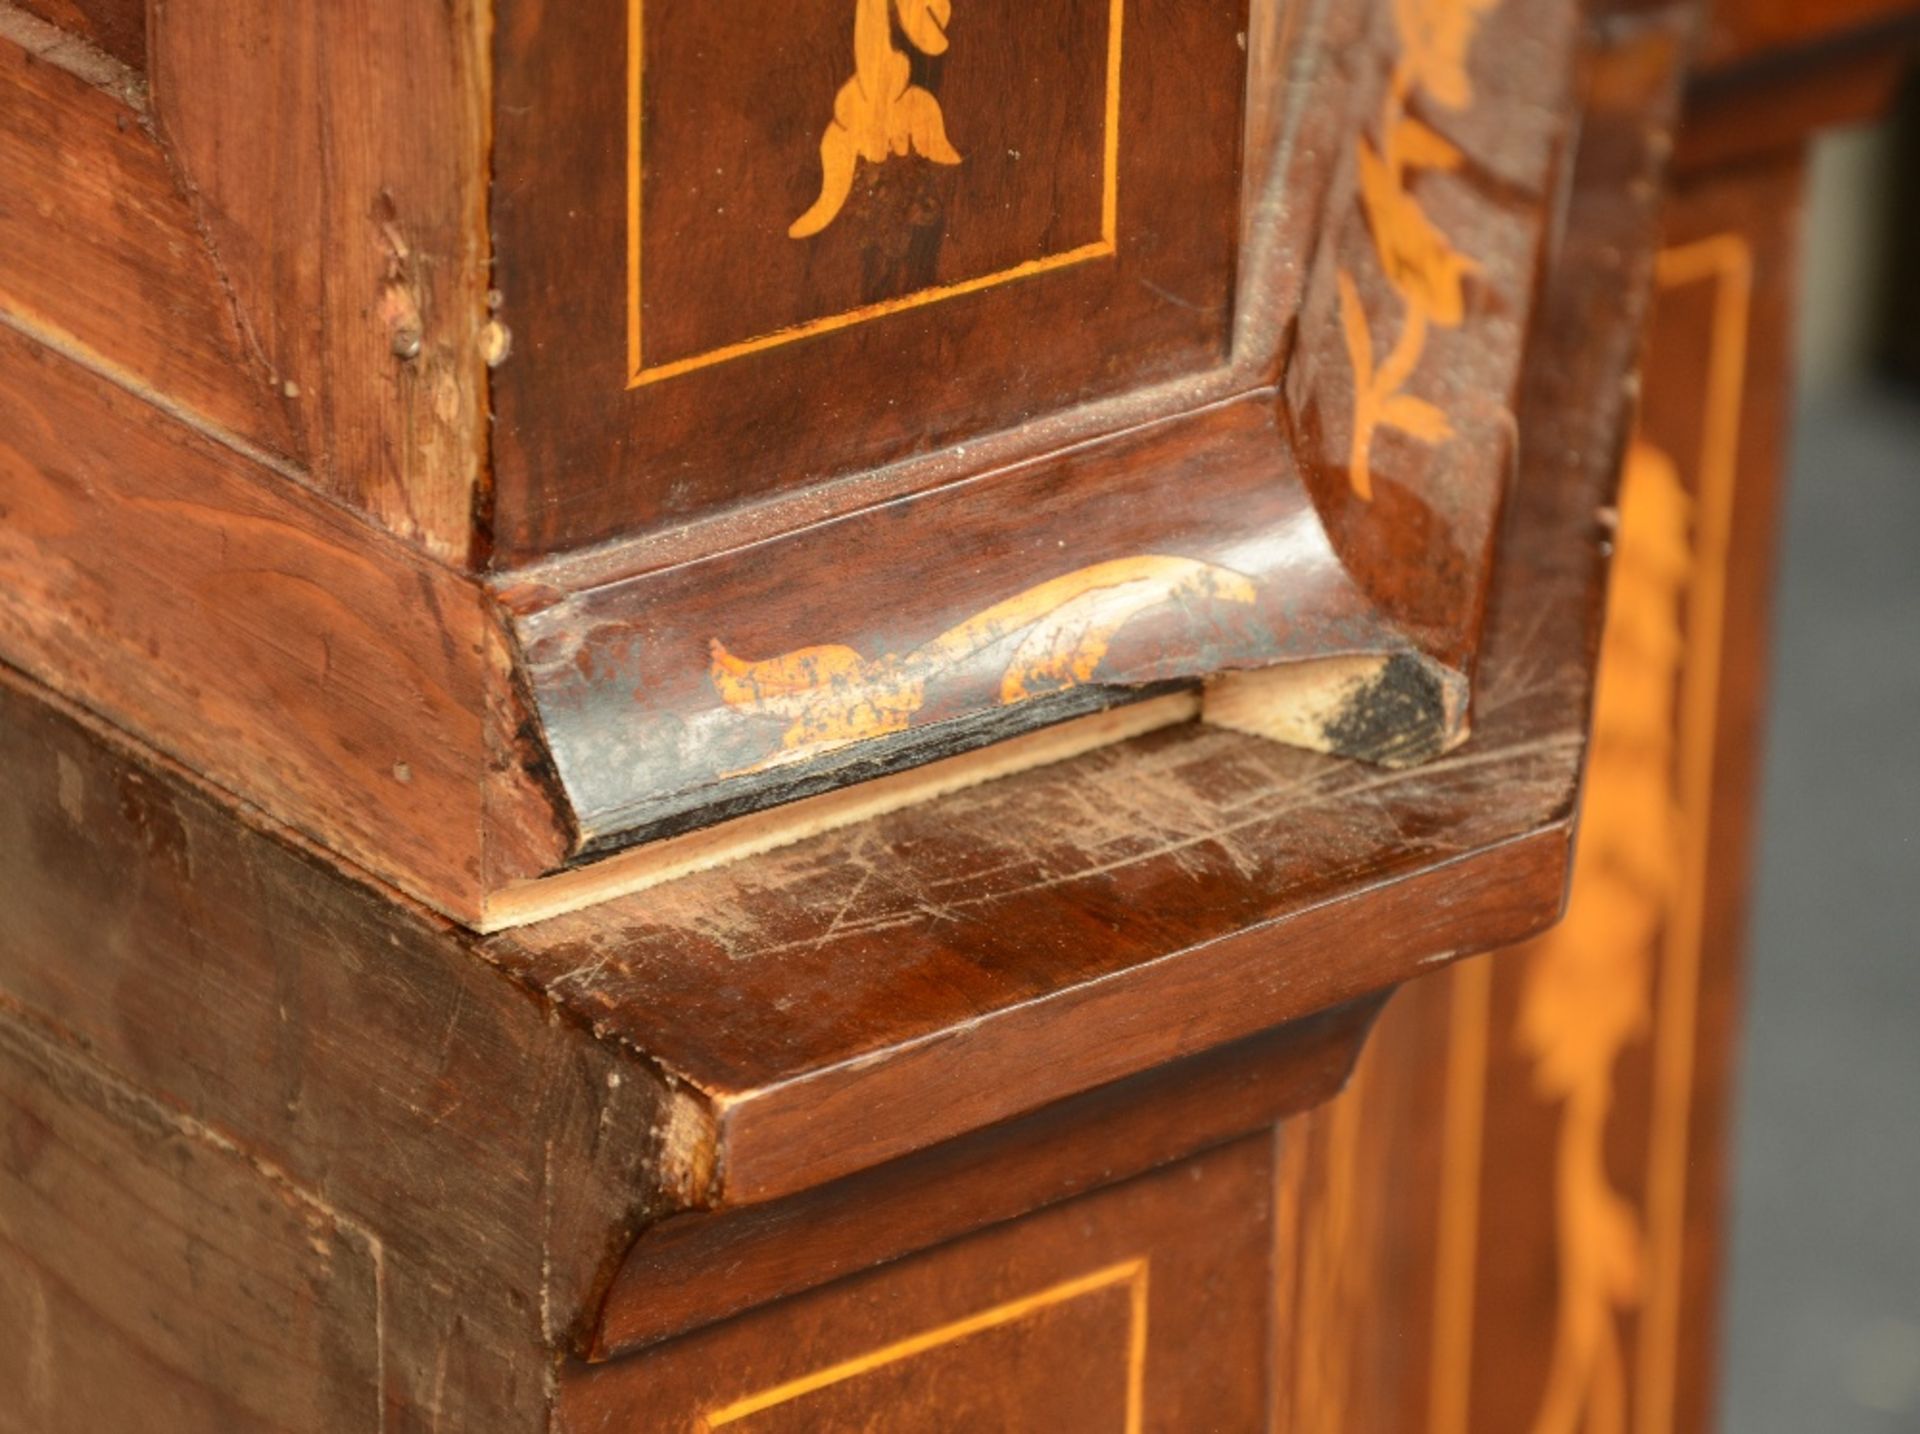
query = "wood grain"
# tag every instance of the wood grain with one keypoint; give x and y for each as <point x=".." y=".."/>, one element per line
<point x="104" y="257"/>
<point x="351" y="231"/>
<point x="1160" y="1282"/>
<point x="808" y="1136"/>
<point x="647" y="738"/>
<point x="516" y="903"/>
<point x="290" y="651"/>
<point x="728" y="108"/>
<point x="1008" y="946"/>
<point x="1563" y="1272"/>
<point x="992" y="1175"/>
<point x="116" y="27"/>
<point x="111" y="1205"/>
<point x="315" y="1027"/>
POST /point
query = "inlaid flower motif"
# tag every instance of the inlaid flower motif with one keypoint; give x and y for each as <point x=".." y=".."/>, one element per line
<point x="880" y="112"/>
<point x="1419" y="260"/>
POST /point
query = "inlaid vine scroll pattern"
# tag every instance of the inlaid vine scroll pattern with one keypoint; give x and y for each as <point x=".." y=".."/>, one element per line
<point x="830" y="696"/>
<point x="1426" y="272"/>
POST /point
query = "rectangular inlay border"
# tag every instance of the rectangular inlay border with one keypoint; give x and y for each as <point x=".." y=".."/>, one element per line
<point x="639" y="375"/>
<point x="1131" y="1273"/>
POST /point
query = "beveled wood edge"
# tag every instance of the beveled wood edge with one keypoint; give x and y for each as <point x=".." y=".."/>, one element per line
<point x="570" y="602"/>
<point x="730" y="1146"/>
<point x="702" y="1133"/>
<point x="1427" y="918"/>
<point x="1396" y="710"/>
<point x="657" y="1292"/>
<point x="519" y="836"/>
<point x="1412" y="705"/>
<point x="637" y="869"/>
<point x="515" y="812"/>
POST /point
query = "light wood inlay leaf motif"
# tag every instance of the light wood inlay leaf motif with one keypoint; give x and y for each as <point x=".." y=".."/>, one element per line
<point x="830" y="695"/>
<point x="1587" y="989"/>
<point x="1421" y="264"/>
<point x="880" y="112"/>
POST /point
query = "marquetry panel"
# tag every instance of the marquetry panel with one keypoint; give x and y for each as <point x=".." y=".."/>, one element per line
<point x="746" y="248"/>
<point x="1036" y="190"/>
<point x="1607" y="1042"/>
<point x="1561" y="1108"/>
<point x="1141" y="1307"/>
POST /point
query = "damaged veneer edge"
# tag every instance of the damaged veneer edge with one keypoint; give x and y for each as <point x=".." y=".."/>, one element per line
<point x="1395" y="709"/>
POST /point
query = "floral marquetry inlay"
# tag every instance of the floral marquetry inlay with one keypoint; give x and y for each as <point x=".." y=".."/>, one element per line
<point x="830" y="696"/>
<point x="1588" y="987"/>
<point x="1425" y="270"/>
<point x="880" y="112"/>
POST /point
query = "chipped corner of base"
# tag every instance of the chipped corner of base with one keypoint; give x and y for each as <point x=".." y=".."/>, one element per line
<point x="1396" y="709"/>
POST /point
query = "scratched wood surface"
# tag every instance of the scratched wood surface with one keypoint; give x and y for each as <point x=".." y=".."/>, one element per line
<point x="763" y="683"/>
<point x="763" y="1040"/>
<point x="1010" y="945"/>
<point x="323" y="318"/>
<point x="310" y="1057"/>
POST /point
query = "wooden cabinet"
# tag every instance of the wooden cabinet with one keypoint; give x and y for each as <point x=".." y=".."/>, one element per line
<point x="611" y="423"/>
<point x="736" y="716"/>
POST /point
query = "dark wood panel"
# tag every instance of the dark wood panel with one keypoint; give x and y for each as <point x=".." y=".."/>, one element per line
<point x="1143" y="1307"/>
<point x="1609" y="1044"/>
<point x="1085" y="129"/>
<point x="1358" y="1192"/>
<point x="1561" y="1109"/>
<point x="152" y="1276"/>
